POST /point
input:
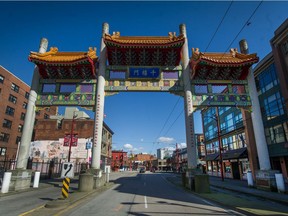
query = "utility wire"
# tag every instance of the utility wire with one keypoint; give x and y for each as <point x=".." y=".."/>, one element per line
<point x="169" y="117"/>
<point x="247" y="23"/>
<point x="187" y="81"/>
<point x="219" y="25"/>
<point x="174" y="122"/>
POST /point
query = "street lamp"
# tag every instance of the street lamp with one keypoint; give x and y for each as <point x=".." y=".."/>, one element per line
<point x="217" y="119"/>
<point x="71" y="136"/>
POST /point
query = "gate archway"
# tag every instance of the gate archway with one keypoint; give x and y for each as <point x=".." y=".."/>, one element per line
<point x="130" y="63"/>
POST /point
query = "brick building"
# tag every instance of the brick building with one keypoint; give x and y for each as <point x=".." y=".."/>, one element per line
<point x="119" y="160"/>
<point x="55" y="129"/>
<point x="14" y="95"/>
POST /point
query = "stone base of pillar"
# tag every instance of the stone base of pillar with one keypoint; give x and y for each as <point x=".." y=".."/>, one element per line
<point x="190" y="177"/>
<point x="20" y="179"/>
<point x="86" y="182"/>
<point x="265" y="180"/>
<point x="98" y="177"/>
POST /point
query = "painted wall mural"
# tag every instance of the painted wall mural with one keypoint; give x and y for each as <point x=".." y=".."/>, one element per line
<point x="46" y="150"/>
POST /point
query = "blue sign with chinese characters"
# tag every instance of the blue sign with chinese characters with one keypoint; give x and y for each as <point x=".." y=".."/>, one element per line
<point x="144" y="73"/>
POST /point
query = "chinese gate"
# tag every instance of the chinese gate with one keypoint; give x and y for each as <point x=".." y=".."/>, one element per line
<point x="157" y="64"/>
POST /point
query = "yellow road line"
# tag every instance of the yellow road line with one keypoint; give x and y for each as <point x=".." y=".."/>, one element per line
<point x="118" y="208"/>
<point x="32" y="210"/>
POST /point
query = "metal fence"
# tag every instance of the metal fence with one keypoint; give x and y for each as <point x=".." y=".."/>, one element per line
<point x="48" y="169"/>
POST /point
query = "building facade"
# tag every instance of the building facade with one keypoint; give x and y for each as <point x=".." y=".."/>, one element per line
<point x="271" y="76"/>
<point x="57" y="127"/>
<point x="224" y="129"/>
<point x="239" y="153"/>
<point x="119" y="160"/>
<point x="279" y="44"/>
<point x="14" y="94"/>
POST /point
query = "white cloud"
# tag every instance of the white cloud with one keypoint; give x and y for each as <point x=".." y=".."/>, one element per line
<point x="182" y="145"/>
<point x="128" y="146"/>
<point x="142" y="140"/>
<point x="166" y="140"/>
<point x="141" y="148"/>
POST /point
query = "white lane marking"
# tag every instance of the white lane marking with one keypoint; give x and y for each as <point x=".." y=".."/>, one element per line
<point x="145" y="201"/>
<point x="144" y="183"/>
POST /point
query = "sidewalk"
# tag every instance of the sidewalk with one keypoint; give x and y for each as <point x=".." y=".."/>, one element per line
<point x="242" y="187"/>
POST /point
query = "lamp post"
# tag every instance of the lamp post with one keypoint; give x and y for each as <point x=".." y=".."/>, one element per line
<point x="71" y="136"/>
<point x="220" y="143"/>
<point x="216" y="118"/>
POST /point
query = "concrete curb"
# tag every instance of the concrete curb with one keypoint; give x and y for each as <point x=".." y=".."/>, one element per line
<point x="285" y="202"/>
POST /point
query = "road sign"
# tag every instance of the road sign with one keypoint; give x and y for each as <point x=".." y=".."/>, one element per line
<point x="67" y="170"/>
<point x="88" y="145"/>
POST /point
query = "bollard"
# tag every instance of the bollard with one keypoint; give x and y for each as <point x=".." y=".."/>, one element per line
<point x="280" y="182"/>
<point x="6" y="182"/>
<point x="250" y="179"/>
<point x="107" y="174"/>
<point x="65" y="187"/>
<point x="36" y="179"/>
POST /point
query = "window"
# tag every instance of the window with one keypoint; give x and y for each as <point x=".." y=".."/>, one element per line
<point x="273" y="106"/>
<point x="47" y="88"/>
<point x="20" y="128"/>
<point x="4" y="137"/>
<point x="12" y="99"/>
<point x="46" y="116"/>
<point x="86" y="88"/>
<point x="266" y="80"/>
<point x="7" y="123"/>
<point x="1" y="79"/>
<point x="285" y="48"/>
<point x="67" y="88"/>
<point x="26" y="95"/>
<point x="22" y="117"/>
<point x="3" y="151"/>
<point x="10" y="111"/>
<point x="14" y="87"/>
<point x="18" y="139"/>
<point x="276" y="134"/>
<point x="24" y="106"/>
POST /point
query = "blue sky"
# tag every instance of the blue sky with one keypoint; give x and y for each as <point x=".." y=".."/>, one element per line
<point x="138" y="119"/>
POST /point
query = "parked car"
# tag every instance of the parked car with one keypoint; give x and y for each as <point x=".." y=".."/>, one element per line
<point x="142" y="170"/>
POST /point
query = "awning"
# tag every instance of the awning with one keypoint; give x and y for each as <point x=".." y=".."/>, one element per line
<point x="235" y="154"/>
<point x="211" y="157"/>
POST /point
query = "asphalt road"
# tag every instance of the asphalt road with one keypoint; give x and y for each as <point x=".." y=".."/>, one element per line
<point x="145" y="194"/>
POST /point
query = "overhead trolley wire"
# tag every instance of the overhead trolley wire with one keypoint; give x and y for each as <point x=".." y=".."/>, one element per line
<point x="219" y="26"/>
<point x="247" y="23"/>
